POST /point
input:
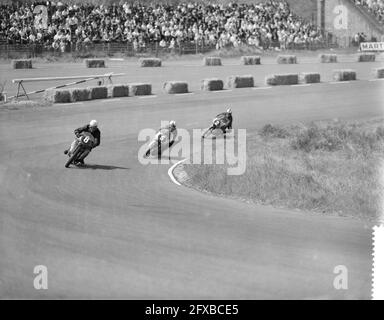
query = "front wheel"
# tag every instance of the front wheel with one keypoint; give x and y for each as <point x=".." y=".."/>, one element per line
<point x="73" y="157"/>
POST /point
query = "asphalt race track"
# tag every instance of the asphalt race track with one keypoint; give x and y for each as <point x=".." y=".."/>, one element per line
<point x="119" y="229"/>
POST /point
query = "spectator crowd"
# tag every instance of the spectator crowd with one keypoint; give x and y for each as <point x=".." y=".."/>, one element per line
<point x="77" y="25"/>
<point x="375" y="7"/>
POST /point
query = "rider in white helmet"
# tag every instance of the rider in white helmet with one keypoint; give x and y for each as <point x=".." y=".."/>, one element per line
<point x="170" y="130"/>
<point x="229" y="119"/>
<point x="93" y="129"/>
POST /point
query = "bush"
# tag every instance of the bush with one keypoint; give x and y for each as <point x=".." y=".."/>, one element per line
<point x="271" y="131"/>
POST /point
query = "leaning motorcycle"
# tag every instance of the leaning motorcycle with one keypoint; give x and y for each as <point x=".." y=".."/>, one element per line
<point x="83" y="142"/>
<point x="158" y="144"/>
<point x="216" y="129"/>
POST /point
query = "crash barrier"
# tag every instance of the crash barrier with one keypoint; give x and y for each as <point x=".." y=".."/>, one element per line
<point x="57" y="95"/>
<point x="328" y="58"/>
<point x="22" y="64"/>
<point x="366" y="57"/>
<point x="79" y="94"/>
<point x="344" y="75"/>
<point x="94" y="63"/>
<point x="245" y="81"/>
<point x="308" y="77"/>
<point x="175" y="87"/>
<point x="118" y="90"/>
<point x="150" y="62"/>
<point x="212" y="84"/>
<point x="139" y="89"/>
<point x="286" y="59"/>
<point x="282" y="79"/>
<point x="212" y="61"/>
<point x="99" y="92"/>
<point x="250" y="60"/>
<point x="379" y="73"/>
<point x="20" y="82"/>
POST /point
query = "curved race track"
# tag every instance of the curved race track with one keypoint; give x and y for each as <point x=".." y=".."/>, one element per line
<point x="118" y="229"/>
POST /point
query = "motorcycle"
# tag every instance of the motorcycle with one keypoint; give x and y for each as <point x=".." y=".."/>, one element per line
<point x="219" y="126"/>
<point x="161" y="140"/>
<point x="83" y="142"/>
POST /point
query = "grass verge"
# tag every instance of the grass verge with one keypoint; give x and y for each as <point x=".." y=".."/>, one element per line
<point x="329" y="167"/>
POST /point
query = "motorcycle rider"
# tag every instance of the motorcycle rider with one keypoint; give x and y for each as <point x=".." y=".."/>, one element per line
<point x="93" y="129"/>
<point x="170" y="130"/>
<point x="228" y="116"/>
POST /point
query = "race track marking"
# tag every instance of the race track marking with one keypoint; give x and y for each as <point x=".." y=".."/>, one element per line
<point x="112" y="100"/>
<point x="146" y="97"/>
<point x="339" y="82"/>
<point x="170" y="172"/>
<point x="116" y="59"/>
<point x="261" y="88"/>
<point x="301" y="85"/>
<point x="376" y="79"/>
<point x="69" y="104"/>
<point x="184" y="94"/>
<point x="219" y="91"/>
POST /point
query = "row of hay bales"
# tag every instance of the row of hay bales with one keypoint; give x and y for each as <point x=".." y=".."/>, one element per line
<point x="209" y="84"/>
<point x="208" y="61"/>
<point x="98" y="92"/>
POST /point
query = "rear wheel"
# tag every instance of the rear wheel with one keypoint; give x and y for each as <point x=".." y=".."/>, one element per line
<point x="73" y="157"/>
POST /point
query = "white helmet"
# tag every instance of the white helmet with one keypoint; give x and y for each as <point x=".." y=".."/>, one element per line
<point x="172" y="123"/>
<point x="229" y="110"/>
<point x="93" y="123"/>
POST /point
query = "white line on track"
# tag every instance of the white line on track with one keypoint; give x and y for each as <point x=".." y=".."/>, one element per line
<point x="339" y="82"/>
<point x="301" y="85"/>
<point x="219" y="91"/>
<point x="116" y="59"/>
<point x="170" y="172"/>
<point x="184" y="94"/>
<point x="376" y="79"/>
<point x="147" y="97"/>
<point x="112" y="100"/>
<point x="261" y="88"/>
<point x="69" y="104"/>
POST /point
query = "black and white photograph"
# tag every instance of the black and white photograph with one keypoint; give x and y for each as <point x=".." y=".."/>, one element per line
<point x="191" y="150"/>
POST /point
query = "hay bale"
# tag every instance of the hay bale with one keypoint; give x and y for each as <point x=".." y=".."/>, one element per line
<point x="57" y="96"/>
<point x="22" y="64"/>
<point x="212" y="61"/>
<point x="94" y="63"/>
<point x="175" y="87"/>
<point x="212" y="84"/>
<point x="118" y="90"/>
<point x="344" y="75"/>
<point x="282" y="79"/>
<point x="98" y="92"/>
<point x="80" y="94"/>
<point x="245" y="81"/>
<point x="366" y="57"/>
<point x="150" y="62"/>
<point x="307" y="77"/>
<point x="250" y="60"/>
<point x="328" y="58"/>
<point x="286" y="59"/>
<point x="139" y="89"/>
<point x="379" y="73"/>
